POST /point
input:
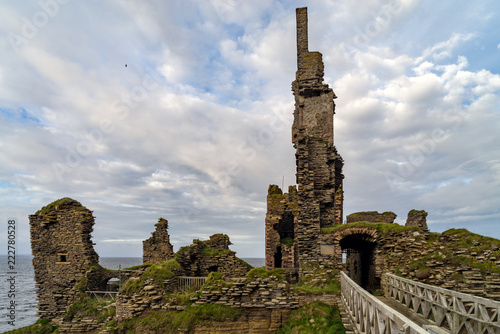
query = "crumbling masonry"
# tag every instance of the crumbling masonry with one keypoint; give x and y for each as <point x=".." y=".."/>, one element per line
<point x="62" y="250"/>
<point x="158" y="248"/>
<point x="319" y="166"/>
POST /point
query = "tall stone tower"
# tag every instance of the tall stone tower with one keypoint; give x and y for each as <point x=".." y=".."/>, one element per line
<point x="318" y="202"/>
<point x="319" y="166"/>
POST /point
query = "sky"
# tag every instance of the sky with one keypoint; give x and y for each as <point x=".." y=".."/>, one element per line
<point x="183" y="110"/>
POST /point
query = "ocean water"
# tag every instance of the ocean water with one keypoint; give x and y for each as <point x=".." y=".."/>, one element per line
<point x="24" y="286"/>
<point x="24" y="289"/>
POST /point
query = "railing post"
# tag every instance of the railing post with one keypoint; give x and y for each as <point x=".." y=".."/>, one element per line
<point x="449" y="307"/>
<point x="369" y="315"/>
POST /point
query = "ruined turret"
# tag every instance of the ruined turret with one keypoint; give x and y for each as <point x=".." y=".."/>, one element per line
<point x="158" y="247"/>
<point x="62" y="251"/>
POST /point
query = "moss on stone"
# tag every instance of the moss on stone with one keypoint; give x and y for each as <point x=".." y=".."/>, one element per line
<point x="381" y="227"/>
<point x="86" y="306"/>
<point x="138" y="267"/>
<point x="262" y="272"/>
<point x="318" y="280"/>
<point x="274" y="190"/>
<point x="457" y="248"/>
<point x="62" y="202"/>
<point x="215" y="281"/>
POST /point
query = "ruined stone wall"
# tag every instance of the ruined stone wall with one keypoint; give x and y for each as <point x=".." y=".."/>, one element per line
<point x="372" y="217"/>
<point x="254" y="321"/>
<point x="62" y="251"/>
<point x="281" y="223"/>
<point x="218" y="241"/>
<point x="417" y="218"/>
<point x="257" y="293"/>
<point x="456" y="259"/>
<point x="158" y="247"/>
<point x="199" y="259"/>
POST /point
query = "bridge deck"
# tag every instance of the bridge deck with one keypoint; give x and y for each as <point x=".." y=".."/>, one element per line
<point x="416" y="318"/>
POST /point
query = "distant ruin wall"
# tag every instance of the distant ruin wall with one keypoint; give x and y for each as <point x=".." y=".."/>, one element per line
<point x="158" y="247"/>
<point x="200" y="259"/>
<point x="371" y="217"/>
<point x="62" y="251"/>
<point x="417" y="218"/>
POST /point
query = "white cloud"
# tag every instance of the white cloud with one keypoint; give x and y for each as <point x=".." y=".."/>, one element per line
<point x="197" y="125"/>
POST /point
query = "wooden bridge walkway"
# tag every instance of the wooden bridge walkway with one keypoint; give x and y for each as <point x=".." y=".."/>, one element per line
<point x="410" y="307"/>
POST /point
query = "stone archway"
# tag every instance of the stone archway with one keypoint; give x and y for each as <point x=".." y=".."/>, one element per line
<point x="359" y="248"/>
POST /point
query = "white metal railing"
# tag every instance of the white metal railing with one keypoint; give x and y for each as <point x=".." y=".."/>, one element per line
<point x="371" y="316"/>
<point x="460" y="313"/>
<point x="185" y="283"/>
<point x="102" y="294"/>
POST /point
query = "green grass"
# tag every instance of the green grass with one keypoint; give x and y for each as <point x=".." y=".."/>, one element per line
<point x="86" y="306"/>
<point x="463" y="240"/>
<point x="381" y="227"/>
<point x="178" y="321"/>
<point x="331" y="288"/>
<point x="466" y="238"/>
<point x="140" y="266"/>
<point x="158" y="272"/>
<point x="42" y="326"/>
<point x="319" y="282"/>
<point x="215" y="281"/>
<point x="313" y="318"/>
<point x="213" y="252"/>
<point x="46" y="209"/>
<point x="262" y="272"/>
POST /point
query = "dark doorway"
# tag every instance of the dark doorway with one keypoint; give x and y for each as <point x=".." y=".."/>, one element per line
<point x="285" y="227"/>
<point x="277" y="258"/>
<point x="360" y="261"/>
